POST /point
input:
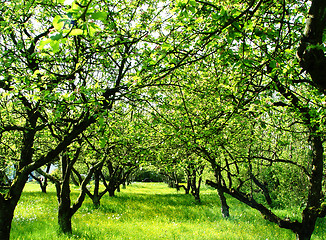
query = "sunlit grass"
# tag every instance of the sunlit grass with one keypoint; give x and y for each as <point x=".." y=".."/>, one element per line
<point x="145" y="211"/>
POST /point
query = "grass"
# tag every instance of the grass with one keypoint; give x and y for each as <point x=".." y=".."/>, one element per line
<point x="145" y="211"/>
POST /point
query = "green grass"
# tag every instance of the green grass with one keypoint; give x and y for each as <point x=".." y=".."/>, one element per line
<point x="145" y="211"/>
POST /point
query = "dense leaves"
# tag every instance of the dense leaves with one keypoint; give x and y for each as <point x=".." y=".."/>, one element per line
<point x="179" y="86"/>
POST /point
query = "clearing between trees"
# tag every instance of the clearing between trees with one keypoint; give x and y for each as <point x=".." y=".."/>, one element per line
<point x="146" y="211"/>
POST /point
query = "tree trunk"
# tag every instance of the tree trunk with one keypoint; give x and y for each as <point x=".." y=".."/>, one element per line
<point x="96" y="198"/>
<point x="6" y="216"/>
<point x="311" y="58"/>
<point x="196" y="196"/>
<point x="264" y="188"/>
<point x="44" y="185"/>
<point x="194" y="189"/>
<point x="8" y="203"/>
<point x="303" y="236"/>
<point x="96" y="201"/>
<point x="187" y="188"/>
<point x="224" y="206"/>
<point x="218" y="176"/>
<point x="111" y="191"/>
<point x="310" y="213"/>
<point x="64" y="211"/>
<point x="64" y="220"/>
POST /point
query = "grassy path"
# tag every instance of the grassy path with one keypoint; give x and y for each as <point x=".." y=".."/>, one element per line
<point x="145" y="211"/>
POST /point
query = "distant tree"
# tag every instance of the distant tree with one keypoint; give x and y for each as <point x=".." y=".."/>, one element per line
<point x="42" y="180"/>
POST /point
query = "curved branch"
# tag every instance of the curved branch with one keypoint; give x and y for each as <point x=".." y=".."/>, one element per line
<point x="295" y="226"/>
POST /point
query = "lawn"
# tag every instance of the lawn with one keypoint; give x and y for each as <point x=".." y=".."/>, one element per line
<point x="145" y="211"/>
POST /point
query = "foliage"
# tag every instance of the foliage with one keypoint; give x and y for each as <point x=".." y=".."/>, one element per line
<point x="238" y="86"/>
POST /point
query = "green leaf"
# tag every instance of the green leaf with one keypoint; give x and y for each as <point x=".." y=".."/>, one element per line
<point x="55" y="46"/>
<point x="101" y="120"/>
<point x="65" y="95"/>
<point x="44" y="42"/>
<point x="93" y="28"/>
<point x="102" y="143"/>
<point x="58" y="23"/>
<point x="75" y="32"/>
<point x="193" y="3"/>
<point x="165" y="46"/>
<point x="57" y="36"/>
<point x="192" y="9"/>
<point x="99" y="16"/>
<point x="180" y="3"/>
<point x="272" y="64"/>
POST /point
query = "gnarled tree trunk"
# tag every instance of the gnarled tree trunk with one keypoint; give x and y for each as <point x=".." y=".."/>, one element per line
<point x="311" y="213"/>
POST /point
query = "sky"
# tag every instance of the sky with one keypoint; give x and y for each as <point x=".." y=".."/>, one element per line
<point x="68" y="2"/>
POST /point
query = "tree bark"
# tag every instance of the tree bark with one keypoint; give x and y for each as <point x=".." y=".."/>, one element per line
<point x="187" y="188"/>
<point x="64" y="220"/>
<point x="6" y="217"/>
<point x="311" y="212"/>
<point x="224" y="206"/>
<point x="195" y="189"/>
<point x="311" y="58"/>
<point x="96" y="201"/>
<point x="43" y="182"/>
<point x="8" y="203"/>
<point x="96" y="197"/>
<point x="218" y="186"/>
<point x="218" y="176"/>
<point x="64" y="210"/>
<point x="111" y="189"/>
